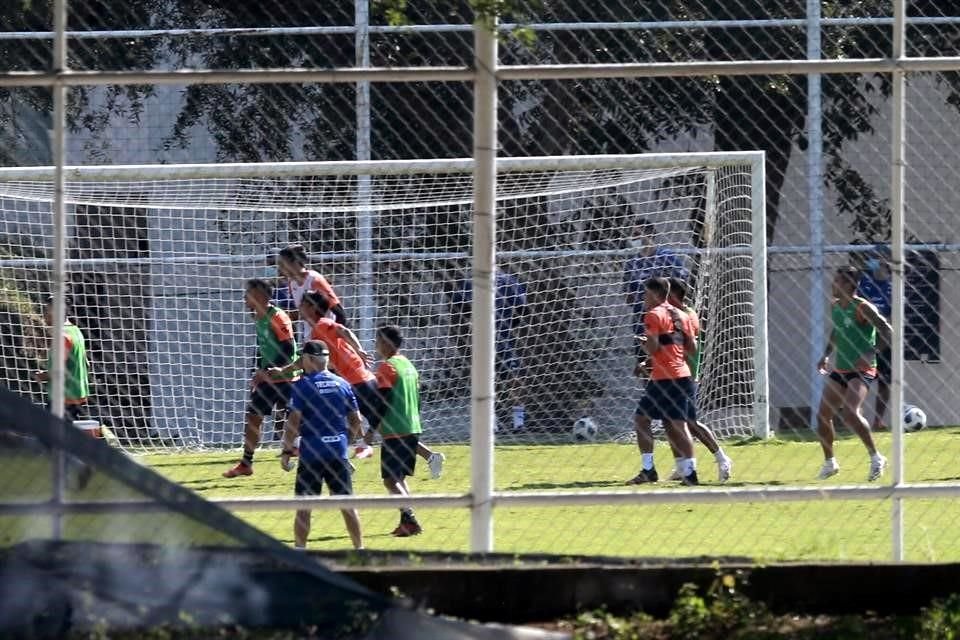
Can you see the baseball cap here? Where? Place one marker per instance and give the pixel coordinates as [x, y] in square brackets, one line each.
[316, 348]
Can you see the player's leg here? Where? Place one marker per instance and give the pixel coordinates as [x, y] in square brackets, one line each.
[853, 399]
[398, 459]
[830, 403]
[882, 401]
[705, 435]
[339, 479]
[301, 528]
[307, 483]
[642, 420]
[678, 409]
[434, 459]
[262, 400]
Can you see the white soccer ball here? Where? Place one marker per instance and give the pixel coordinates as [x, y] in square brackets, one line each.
[585, 430]
[914, 418]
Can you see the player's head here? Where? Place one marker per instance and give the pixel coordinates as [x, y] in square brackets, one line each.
[845, 282]
[291, 260]
[655, 291]
[389, 340]
[257, 294]
[48, 309]
[678, 292]
[316, 354]
[877, 264]
[314, 306]
[642, 238]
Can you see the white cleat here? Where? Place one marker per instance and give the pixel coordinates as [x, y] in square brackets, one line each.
[676, 475]
[827, 470]
[877, 466]
[724, 469]
[435, 462]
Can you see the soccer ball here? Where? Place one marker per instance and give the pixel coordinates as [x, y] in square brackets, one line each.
[914, 418]
[585, 430]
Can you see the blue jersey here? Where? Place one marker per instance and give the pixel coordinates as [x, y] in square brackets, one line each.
[878, 292]
[509, 299]
[283, 299]
[662, 264]
[324, 400]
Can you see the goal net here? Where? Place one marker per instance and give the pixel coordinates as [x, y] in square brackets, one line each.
[158, 257]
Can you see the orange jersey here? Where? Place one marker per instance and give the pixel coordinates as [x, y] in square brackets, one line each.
[667, 325]
[343, 359]
[313, 282]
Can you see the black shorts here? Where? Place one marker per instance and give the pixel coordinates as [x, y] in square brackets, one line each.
[669, 400]
[335, 473]
[368, 399]
[884, 365]
[844, 377]
[398, 457]
[267, 395]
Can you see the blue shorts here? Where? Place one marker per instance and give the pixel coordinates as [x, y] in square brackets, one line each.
[673, 399]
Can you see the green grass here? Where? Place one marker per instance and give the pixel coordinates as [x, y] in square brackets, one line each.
[823, 529]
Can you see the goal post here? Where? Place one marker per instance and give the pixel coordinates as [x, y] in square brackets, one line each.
[158, 255]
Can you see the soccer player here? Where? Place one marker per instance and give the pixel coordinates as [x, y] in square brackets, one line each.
[700, 431]
[322, 407]
[292, 265]
[875, 286]
[399, 422]
[854, 337]
[669, 396]
[276, 348]
[76, 368]
[349, 360]
[651, 262]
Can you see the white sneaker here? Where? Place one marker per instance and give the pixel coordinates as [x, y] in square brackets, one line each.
[828, 469]
[877, 466]
[435, 462]
[724, 469]
[676, 475]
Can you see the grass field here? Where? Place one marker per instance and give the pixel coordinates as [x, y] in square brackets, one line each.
[824, 529]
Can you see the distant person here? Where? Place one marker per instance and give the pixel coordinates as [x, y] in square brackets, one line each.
[651, 261]
[856, 323]
[669, 396]
[276, 348]
[323, 413]
[76, 368]
[510, 305]
[875, 286]
[399, 422]
[292, 266]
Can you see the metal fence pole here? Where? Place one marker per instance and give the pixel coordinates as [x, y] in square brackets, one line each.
[367, 308]
[815, 205]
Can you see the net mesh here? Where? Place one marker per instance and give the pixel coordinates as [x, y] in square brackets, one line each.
[157, 273]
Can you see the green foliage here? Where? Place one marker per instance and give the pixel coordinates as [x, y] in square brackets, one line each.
[941, 620]
[603, 625]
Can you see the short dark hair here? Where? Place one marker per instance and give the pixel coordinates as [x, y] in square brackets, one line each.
[317, 300]
[678, 289]
[295, 253]
[660, 286]
[67, 303]
[260, 286]
[850, 274]
[391, 333]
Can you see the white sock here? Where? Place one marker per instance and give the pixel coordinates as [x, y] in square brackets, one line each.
[875, 457]
[831, 461]
[678, 464]
[689, 465]
[299, 548]
[720, 455]
[646, 460]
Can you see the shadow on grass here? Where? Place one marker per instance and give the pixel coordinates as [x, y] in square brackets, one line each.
[663, 484]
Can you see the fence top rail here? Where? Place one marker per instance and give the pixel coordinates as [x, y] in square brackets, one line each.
[106, 173]
[665, 25]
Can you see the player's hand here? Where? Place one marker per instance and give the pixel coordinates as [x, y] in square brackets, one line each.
[40, 375]
[640, 370]
[823, 365]
[366, 357]
[286, 462]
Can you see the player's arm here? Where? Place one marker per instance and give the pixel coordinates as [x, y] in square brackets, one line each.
[386, 377]
[354, 343]
[872, 315]
[283, 332]
[339, 315]
[43, 375]
[828, 350]
[355, 425]
[291, 429]
[651, 341]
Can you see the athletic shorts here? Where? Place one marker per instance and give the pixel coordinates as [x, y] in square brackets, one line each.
[884, 365]
[368, 399]
[335, 473]
[844, 377]
[672, 399]
[267, 395]
[398, 457]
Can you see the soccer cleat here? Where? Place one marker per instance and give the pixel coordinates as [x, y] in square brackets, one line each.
[828, 469]
[877, 465]
[724, 469]
[645, 476]
[242, 469]
[435, 462]
[407, 529]
[691, 480]
[676, 475]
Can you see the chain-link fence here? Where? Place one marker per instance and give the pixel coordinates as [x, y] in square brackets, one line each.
[159, 262]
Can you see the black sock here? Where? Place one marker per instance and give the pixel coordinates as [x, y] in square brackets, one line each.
[407, 515]
[247, 457]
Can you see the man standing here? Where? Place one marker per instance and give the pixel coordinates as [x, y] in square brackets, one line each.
[276, 348]
[669, 396]
[399, 422]
[876, 288]
[322, 406]
[854, 338]
[76, 375]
